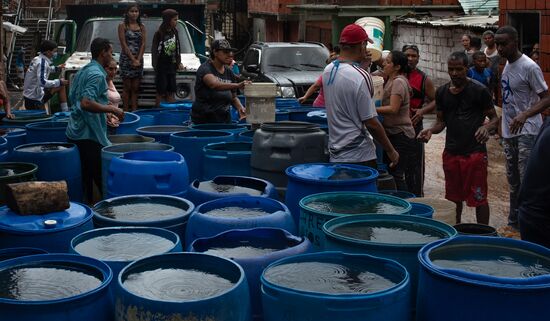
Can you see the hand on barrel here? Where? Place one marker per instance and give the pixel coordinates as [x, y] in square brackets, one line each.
[243, 83]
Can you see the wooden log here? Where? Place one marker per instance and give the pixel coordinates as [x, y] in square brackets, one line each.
[29, 198]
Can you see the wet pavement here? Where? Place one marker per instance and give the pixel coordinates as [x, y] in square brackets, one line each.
[434, 185]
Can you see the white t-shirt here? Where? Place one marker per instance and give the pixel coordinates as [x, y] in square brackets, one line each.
[348, 101]
[521, 83]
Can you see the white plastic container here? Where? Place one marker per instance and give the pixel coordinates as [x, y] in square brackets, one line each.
[378, 83]
[260, 102]
[375, 29]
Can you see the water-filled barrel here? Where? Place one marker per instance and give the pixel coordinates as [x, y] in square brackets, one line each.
[16, 135]
[279, 145]
[60, 287]
[160, 133]
[483, 278]
[282, 115]
[307, 179]
[51, 232]
[119, 246]
[163, 211]
[225, 186]
[246, 136]
[422, 210]
[15, 173]
[444, 210]
[180, 104]
[332, 286]
[129, 125]
[173, 117]
[226, 158]
[395, 237]
[308, 114]
[24, 117]
[232, 128]
[62, 116]
[287, 103]
[129, 138]
[56, 161]
[475, 229]
[253, 250]
[15, 252]
[4, 153]
[117, 150]
[148, 172]
[237, 212]
[46, 131]
[396, 193]
[148, 117]
[190, 144]
[317, 209]
[182, 286]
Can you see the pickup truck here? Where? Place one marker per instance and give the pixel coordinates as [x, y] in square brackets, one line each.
[74, 50]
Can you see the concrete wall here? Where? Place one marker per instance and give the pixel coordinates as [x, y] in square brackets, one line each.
[435, 45]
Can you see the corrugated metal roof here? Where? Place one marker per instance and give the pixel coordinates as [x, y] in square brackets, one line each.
[479, 21]
[479, 6]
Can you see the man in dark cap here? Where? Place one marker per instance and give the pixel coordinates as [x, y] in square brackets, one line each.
[351, 113]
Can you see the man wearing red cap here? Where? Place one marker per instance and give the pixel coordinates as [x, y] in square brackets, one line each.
[351, 113]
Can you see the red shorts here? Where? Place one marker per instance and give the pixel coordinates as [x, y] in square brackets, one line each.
[466, 178]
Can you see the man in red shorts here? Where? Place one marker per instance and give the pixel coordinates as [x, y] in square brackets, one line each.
[462, 105]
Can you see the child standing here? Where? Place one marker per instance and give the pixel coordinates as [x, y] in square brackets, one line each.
[166, 56]
[479, 71]
[37, 88]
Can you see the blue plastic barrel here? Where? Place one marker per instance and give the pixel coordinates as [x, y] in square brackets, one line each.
[483, 278]
[161, 134]
[15, 173]
[129, 125]
[46, 131]
[302, 293]
[56, 161]
[62, 116]
[400, 238]
[24, 117]
[227, 158]
[233, 128]
[51, 232]
[269, 244]
[180, 104]
[148, 117]
[422, 210]
[119, 246]
[4, 154]
[173, 117]
[307, 179]
[91, 302]
[201, 224]
[282, 115]
[214, 289]
[396, 193]
[202, 192]
[190, 144]
[16, 135]
[148, 172]
[168, 212]
[317, 209]
[287, 103]
[308, 114]
[129, 138]
[246, 136]
[117, 150]
[15, 252]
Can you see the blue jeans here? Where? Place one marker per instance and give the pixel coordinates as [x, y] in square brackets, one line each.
[517, 150]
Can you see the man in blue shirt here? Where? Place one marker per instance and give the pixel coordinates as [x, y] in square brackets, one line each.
[87, 126]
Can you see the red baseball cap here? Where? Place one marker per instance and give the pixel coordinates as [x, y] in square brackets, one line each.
[353, 34]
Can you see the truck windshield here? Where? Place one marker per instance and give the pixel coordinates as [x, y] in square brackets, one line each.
[294, 58]
[109, 29]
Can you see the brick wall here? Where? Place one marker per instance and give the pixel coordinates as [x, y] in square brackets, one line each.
[270, 7]
[435, 45]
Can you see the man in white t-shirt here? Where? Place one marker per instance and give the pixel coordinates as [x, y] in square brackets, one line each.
[523, 87]
[351, 113]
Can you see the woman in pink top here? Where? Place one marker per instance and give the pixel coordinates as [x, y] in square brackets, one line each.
[320, 100]
[112, 94]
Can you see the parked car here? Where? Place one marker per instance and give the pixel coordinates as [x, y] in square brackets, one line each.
[293, 66]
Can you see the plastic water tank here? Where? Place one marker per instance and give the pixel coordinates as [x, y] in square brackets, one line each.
[227, 158]
[46, 131]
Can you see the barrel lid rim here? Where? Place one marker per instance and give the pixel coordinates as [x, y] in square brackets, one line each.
[344, 297]
[329, 226]
[21, 148]
[106, 148]
[283, 126]
[150, 129]
[476, 280]
[236, 198]
[102, 267]
[291, 174]
[182, 254]
[184, 133]
[54, 124]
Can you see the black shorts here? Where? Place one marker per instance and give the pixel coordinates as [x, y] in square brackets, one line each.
[38, 104]
[166, 83]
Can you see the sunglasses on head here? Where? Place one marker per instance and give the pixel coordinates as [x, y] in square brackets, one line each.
[413, 47]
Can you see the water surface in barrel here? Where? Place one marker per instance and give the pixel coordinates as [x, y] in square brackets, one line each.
[328, 278]
[124, 246]
[347, 174]
[140, 212]
[237, 212]
[354, 206]
[46, 282]
[43, 148]
[211, 187]
[390, 232]
[246, 249]
[176, 285]
[488, 260]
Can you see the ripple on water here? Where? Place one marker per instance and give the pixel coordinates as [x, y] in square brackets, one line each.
[237, 212]
[211, 187]
[242, 251]
[176, 285]
[140, 212]
[355, 206]
[390, 232]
